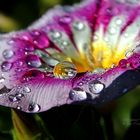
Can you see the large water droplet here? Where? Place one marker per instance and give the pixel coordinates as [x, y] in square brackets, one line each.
[33, 107]
[96, 86]
[33, 60]
[77, 94]
[7, 54]
[78, 25]
[6, 66]
[65, 70]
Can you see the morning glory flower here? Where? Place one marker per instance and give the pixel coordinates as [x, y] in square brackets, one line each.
[89, 52]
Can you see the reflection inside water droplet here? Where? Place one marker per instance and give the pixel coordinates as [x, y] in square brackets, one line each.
[77, 94]
[65, 70]
[33, 107]
[96, 86]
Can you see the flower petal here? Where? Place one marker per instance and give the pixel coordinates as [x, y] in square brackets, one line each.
[93, 34]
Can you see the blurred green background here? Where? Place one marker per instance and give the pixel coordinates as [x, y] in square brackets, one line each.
[117, 120]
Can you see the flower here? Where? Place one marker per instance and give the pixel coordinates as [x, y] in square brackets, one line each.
[86, 53]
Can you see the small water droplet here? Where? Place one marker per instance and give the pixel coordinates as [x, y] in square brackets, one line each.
[13, 98]
[33, 107]
[55, 34]
[65, 70]
[96, 86]
[78, 25]
[119, 21]
[80, 83]
[112, 30]
[2, 79]
[33, 60]
[77, 94]
[26, 89]
[126, 35]
[19, 107]
[65, 19]
[98, 71]
[7, 54]
[6, 66]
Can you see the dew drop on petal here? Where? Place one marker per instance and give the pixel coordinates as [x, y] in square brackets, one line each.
[77, 94]
[119, 21]
[7, 54]
[112, 30]
[2, 79]
[129, 54]
[96, 86]
[65, 70]
[55, 35]
[33, 60]
[16, 97]
[26, 89]
[78, 25]
[6, 66]
[33, 107]
[19, 107]
[65, 19]
[123, 63]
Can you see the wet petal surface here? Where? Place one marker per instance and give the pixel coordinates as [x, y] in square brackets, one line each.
[86, 53]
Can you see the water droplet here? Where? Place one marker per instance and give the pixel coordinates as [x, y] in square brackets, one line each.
[95, 37]
[98, 71]
[96, 86]
[6, 66]
[7, 54]
[65, 70]
[33, 107]
[123, 63]
[80, 83]
[32, 74]
[78, 25]
[77, 94]
[55, 34]
[2, 79]
[118, 21]
[19, 107]
[65, 19]
[126, 35]
[40, 39]
[33, 60]
[26, 89]
[13, 98]
[129, 54]
[112, 30]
